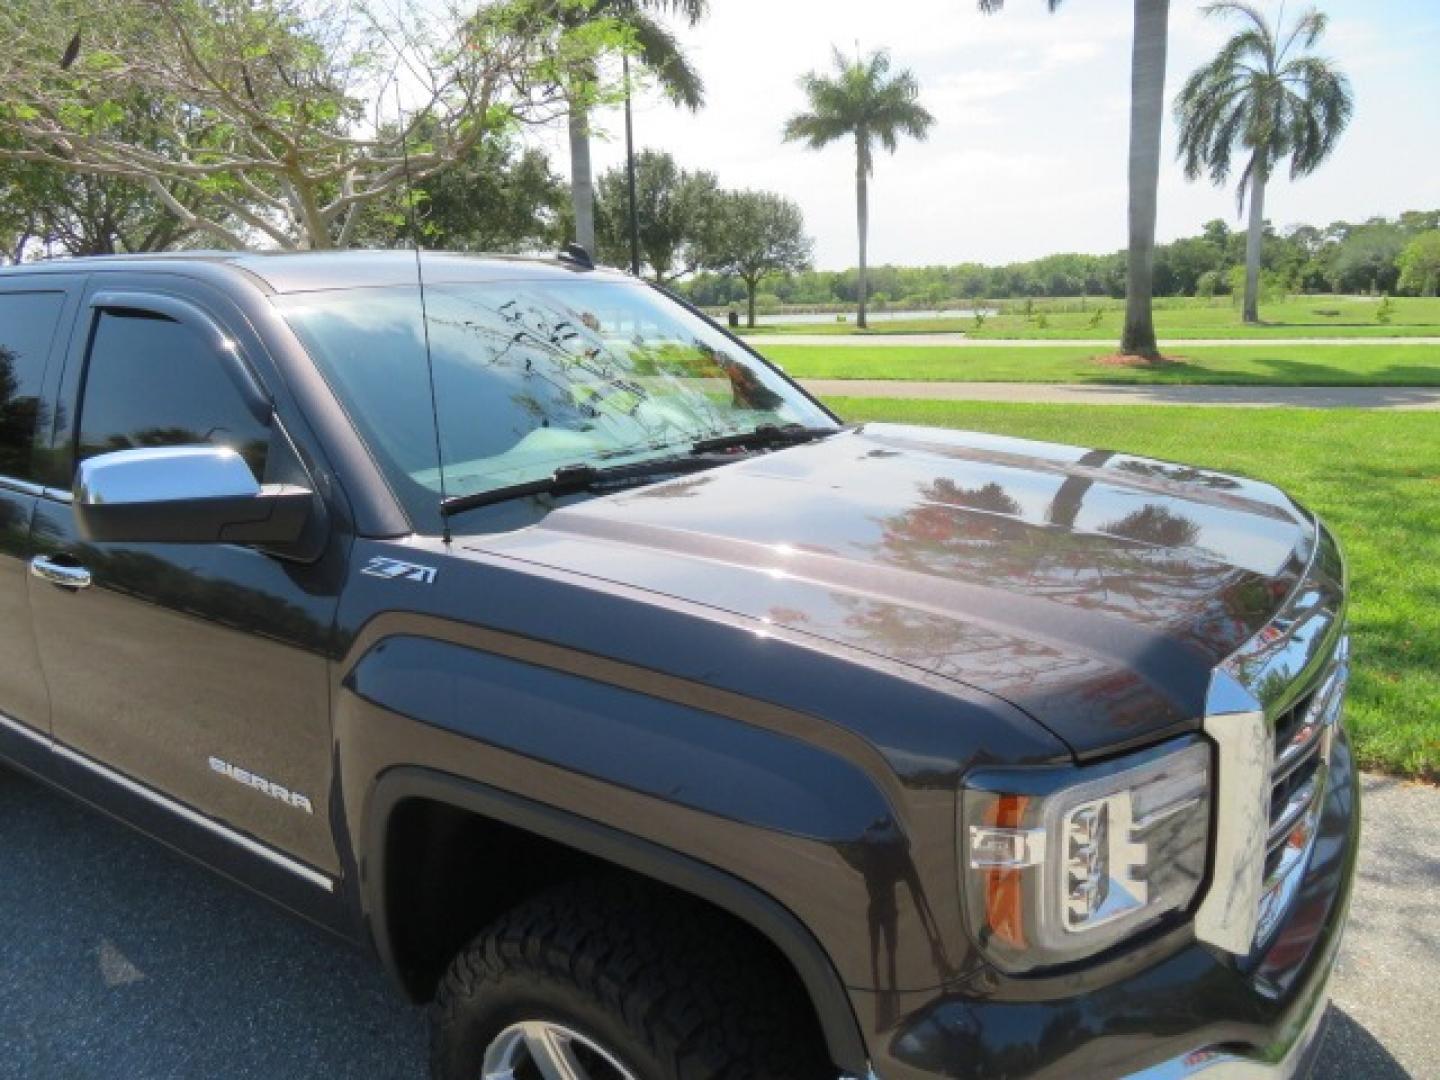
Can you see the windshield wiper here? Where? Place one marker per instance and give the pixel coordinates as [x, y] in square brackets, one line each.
[766, 435]
[571, 479]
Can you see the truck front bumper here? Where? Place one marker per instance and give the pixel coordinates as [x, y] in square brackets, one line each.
[1195, 1011]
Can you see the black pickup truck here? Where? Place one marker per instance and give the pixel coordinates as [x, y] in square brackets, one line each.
[523, 626]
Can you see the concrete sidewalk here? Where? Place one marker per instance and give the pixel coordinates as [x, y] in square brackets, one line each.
[1100, 345]
[1399, 398]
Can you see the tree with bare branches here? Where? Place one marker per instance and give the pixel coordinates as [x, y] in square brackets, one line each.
[278, 117]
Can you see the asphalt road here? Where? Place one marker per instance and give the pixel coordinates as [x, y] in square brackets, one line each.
[121, 961]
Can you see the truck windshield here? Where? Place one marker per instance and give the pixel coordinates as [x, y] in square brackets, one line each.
[531, 376]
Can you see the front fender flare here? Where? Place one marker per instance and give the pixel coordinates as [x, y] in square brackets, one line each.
[762, 912]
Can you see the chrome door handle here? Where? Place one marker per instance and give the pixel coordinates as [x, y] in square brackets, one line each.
[68, 577]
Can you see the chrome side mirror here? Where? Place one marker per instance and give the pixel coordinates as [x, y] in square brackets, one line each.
[185, 495]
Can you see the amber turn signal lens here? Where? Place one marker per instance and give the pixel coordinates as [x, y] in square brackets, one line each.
[1004, 900]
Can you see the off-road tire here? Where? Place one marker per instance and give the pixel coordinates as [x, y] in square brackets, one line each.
[664, 984]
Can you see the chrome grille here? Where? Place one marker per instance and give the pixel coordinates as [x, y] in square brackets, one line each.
[1273, 761]
[1301, 757]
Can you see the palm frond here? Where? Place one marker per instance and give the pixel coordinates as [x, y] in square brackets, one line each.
[692, 11]
[1251, 98]
[660, 51]
[1308, 29]
[815, 131]
[1258, 22]
[863, 100]
[1323, 104]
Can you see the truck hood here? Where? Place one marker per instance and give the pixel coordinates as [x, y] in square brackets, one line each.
[1094, 590]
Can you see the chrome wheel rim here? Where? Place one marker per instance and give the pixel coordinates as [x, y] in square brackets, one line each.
[541, 1050]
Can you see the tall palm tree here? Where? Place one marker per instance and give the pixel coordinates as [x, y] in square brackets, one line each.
[1267, 96]
[865, 102]
[658, 52]
[1148, 49]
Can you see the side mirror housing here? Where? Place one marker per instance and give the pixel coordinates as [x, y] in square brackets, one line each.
[185, 495]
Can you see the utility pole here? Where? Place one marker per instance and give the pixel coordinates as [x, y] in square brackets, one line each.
[630, 172]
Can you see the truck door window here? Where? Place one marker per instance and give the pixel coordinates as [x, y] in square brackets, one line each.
[152, 381]
[27, 325]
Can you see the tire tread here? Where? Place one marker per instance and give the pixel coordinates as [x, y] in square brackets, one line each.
[692, 987]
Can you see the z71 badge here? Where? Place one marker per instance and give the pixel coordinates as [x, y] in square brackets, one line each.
[395, 570]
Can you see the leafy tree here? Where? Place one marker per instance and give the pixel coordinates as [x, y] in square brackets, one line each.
[498, 198]
[1420, 264]
[677, 211]
[654, 47]
[758, 233]
[19, 216]
[1149, 46]
[1368, 258]
[51, 208]
[1304, 258]
[1419, 221]
[1266, 95]
[86, 214]
[1180, 265]
[269, 110]
[864, 102]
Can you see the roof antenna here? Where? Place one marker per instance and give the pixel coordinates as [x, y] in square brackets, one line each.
[424, 318]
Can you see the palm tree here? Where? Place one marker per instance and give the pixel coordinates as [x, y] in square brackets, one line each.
[1148, 50]
[1266, 95]
[659, 52]
[865, 102]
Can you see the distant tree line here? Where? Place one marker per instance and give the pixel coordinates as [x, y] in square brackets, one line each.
[1381, 255]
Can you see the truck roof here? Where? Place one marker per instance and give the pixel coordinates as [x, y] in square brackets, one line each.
[286, 272]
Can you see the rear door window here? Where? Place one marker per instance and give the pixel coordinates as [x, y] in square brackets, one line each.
[27, 328]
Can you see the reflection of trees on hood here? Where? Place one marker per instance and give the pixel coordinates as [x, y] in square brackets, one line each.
[942, 536]
[676, 489]
[989, 497]
[1065, 507]
[1156, 525]
[1178, 474]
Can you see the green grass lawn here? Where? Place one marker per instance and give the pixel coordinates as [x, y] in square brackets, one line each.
[1175, 317]
[1373, 476]
[1285, 365]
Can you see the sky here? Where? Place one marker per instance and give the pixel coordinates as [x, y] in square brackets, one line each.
[1028, 153]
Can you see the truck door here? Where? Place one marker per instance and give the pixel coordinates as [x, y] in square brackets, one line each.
[31, 314]
[197, 672]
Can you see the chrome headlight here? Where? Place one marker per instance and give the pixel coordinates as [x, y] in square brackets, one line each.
[1060, 864]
